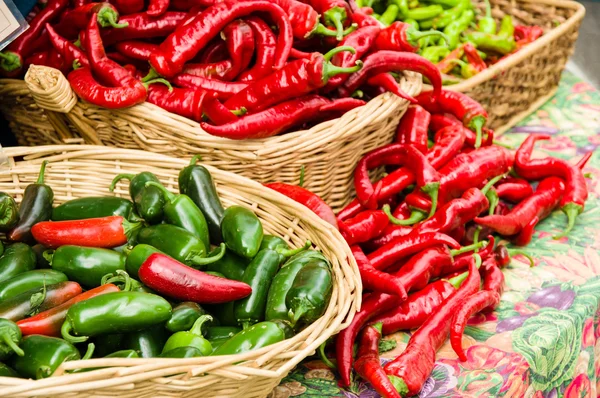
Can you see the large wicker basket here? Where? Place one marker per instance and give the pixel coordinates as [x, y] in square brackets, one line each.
[76, 171]
[328, 151]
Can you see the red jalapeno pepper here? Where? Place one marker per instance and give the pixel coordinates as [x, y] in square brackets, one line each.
[304, 19]
[216, 112]
[127, 7]
[412, 129]
[157, 7]
[223, 90]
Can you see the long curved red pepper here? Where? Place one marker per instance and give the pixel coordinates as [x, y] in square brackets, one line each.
[339, 106]
[576, 192]
[185, 102]
[307, 198]
[180, 282]
[76, 19]
[375, 280]
[216, 51]
[266, 47]
[136, 49]
[143, 26]
[439, 121]
[216, 112]
[68, 50]
[187, 40]
[392, 61]
[413, 127]
[366, 226]
[387, 82]
[403, 37]
[223, 90]
[367, 363]
[157, 7]
[49, 322]
[514, 189]
[87, 87]
[409, 371]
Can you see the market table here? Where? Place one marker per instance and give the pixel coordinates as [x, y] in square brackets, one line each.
[544, 338]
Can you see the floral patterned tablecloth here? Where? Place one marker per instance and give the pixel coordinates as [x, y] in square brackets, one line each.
[544, 339]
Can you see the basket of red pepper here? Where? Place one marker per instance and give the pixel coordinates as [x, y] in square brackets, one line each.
[102, 291]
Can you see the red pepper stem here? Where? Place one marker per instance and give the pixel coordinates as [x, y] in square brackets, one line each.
[108, 17]
[89, 352]
[432, 189]
[41, 176]
[169, 196]
[197, 327]
[491, 183]
[66, 330]
[118, 178]
[515, 252]
[477, 124]
[121, 277]
[199, 261]
[10, 61]
[415, 216]
[572, 210]
[471, 247]
[9, 342]
[399, 385]
[292, 252]
[459, 279]
[324, 358]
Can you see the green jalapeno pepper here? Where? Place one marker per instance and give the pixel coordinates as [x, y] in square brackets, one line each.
[86, 265]
[29, 280]
[256, 336]
[119, 312]
[196, 182]
[285, 326]
[43, 355]
[147, 343]
[178, 243]
[123, 354]
[507, 27]
[137, 256]
[184, 315]
[224, 313]
[191, 338]
[231, 265]
[182, 352]
[9, 212]
[273, 242]
[216, 343]
[10, 337]
[1, 248]
[485, 41]
[107, 344]
[242, 231]
[309, 295]
[17, 258]
[148, 201]
[282, 283]
[6, 371]
[36, 206]
[181, 211]
[125, 282]
[221, 332]
[93, 207]
[455, 28]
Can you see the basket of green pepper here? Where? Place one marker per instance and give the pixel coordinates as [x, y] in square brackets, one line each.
[185, 280]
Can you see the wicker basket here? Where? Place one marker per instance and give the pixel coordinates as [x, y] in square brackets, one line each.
[76, 171]
[328, 151]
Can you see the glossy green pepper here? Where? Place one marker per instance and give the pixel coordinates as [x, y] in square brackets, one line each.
[285, 326]
[184, 316]
[93, 207]
[181, 211]
[507, 27]
[487, 24]
[29, 280]
[118, 312]
[273, 242]
[147, 343]
[137, 256]
[196, 182]
[309, 295]
[221, 332]
[485, 41]
[178, 243]
[149, 201]
[191, 338]
[423, 13]
[216, 343]
[9, 212]
[224, 313]
[125, 282]
[231, 265]
[435, 54]
[447, 16]
[10, 337]
[256, 336]
[6, 371]
[123, 354]
[43, 355]
[107, 344]
[455, 28]
[1, 248]
[86, 265]
[242, 231]
[182, 352]
[215, 273]
[389, 15]
[17, 258]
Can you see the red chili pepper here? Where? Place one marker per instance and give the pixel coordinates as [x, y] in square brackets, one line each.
[157, 7]
[304, 19]
[76, 19]
[70, 53]
[214, 52]
[50, 58]
[180, 282]
[224, 90]
[127, 7]
[187, 40]
[11, 60]
[339, 106]
[413, 128]
[367, 364]
[424, 343]
[401, 36]
[136, 49]
[514, 189]
[387, 82]
[363, 17]
[186, 102]
[439, 121]
[297, 54]
[469, 111]
[186, 5]
[143, 26]
[266, 46]
[367, 225]
[335, 14]
[392, 61]
[474, 58]
[584, 159]
[49, 322]
[575, 194]
[216, 112]
[375, 280]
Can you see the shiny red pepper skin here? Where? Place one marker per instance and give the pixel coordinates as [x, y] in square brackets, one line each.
[50, 58]
[68, 50]
[187, 40]
[83, 83]
[223, 90]
[76, 19]
[266, 47]
[413, 126]
[395, 38]
[375, 280]
[366, 226]
[367, 363]
[514, 189]
[474, 58]
[127, 7]
[303, 17]
[306, 198]
[143, 26]
[439, 121]
[387, 83]
[180, 282]
[392, 61]
[136, 49]
[157, 7]
[214, 52]
[185, 102]
[216, 112]
[339, 106]
[49, 322]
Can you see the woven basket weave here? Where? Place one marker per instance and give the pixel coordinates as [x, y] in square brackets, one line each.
[76, 171]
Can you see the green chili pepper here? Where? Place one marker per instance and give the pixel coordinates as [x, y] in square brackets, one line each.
[216, 343]
[487, 24]
[147, 343]
[242, 231]
[149, 201]
[107, 344]
[119, 312]
[285, 326]
[215, 273]
[447, 16]
[6, 371]
[37, 300]
[221, 332]
[43, 355]
[412, 23]
[93, 207]
[125, 282]
[137, 256]
[196, 182]
[445, 3]
[86, 265]
[17, 258]
[276, 307]
[273, 242]
[423, 13]
[10, 337]
[29, 280]
[507, 28]
[178, 243]
[455, 28]
[309, 295]
[435, 54]
[231, 265]
[191, 338]
[224, 313]
[181, 211]
[256, 336]
[495, 43]
[123, 354]
[1, 248]
[466, 70]
[389, 15]
[402, 7]
[184, 316]
[9, 212]
[182, 352]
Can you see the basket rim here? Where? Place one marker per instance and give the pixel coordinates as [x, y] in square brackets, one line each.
[338, 319]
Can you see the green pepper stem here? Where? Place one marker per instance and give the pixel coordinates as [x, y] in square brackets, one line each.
[399, 385]
[13, 346]
[413, 35]
[515, 252]
[378, 326]
[330, 70]
[476, 236]
[195, 159]
[77, 43]
[108, 17]
[10, 61]
[458, 280]
[488, 9]
[324, 358]
[292, 252]
[121, 277]
[432, 189]
[48, 255]
[322, 30]
[246, 325]
[42, 372]
[158, 80]
[415, 216]
[200, 261]
[76, 64]
[66, 330]
[477, 123]
[170, 196]
[294, 317]
[471, 247]
[491, 183]
[302, 171]
[152, 74]
[239, 112]
[503, 145]
[42, 174]
[329, 55]
[131, 228]
[89, 352]
[197, 327]
[336, 16]
[572, 210]
[118, 178]
[493, 200]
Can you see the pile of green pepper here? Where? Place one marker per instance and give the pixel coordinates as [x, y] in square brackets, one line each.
[67, 301]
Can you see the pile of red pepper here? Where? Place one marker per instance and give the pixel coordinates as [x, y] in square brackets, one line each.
[423, 265]
[245, 69]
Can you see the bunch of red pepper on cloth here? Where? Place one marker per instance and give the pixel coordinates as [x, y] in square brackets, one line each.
[245, 69]
[415, 233]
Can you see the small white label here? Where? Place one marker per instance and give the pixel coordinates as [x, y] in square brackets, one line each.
[12, 23]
